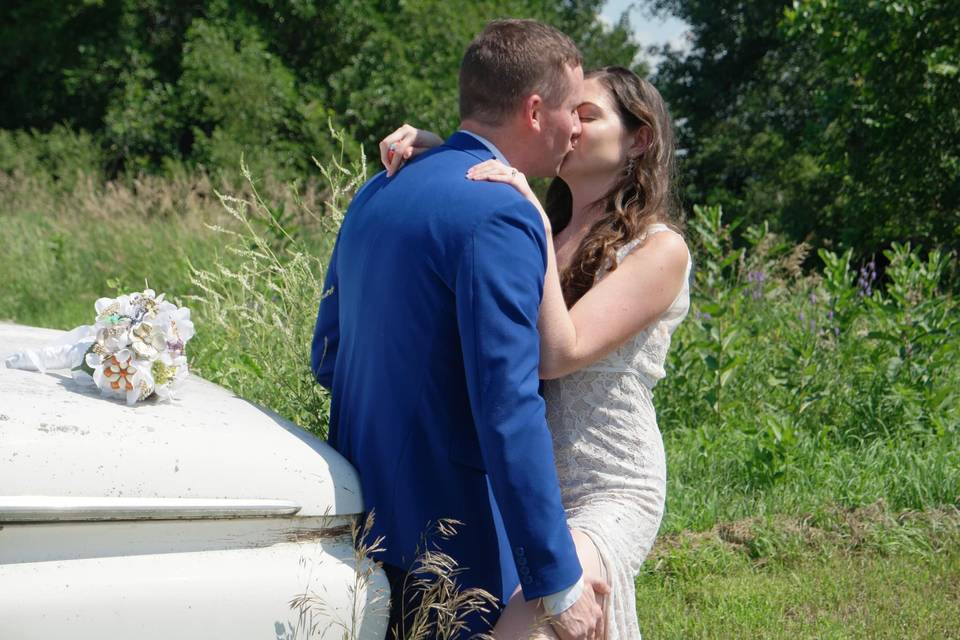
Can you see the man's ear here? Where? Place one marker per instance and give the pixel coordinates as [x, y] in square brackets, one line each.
[533, 113]
[641, 141]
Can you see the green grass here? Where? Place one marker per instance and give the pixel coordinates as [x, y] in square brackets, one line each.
[908, 473]
[862, 574]
[67, 242]
[62, 243]
[865, 596]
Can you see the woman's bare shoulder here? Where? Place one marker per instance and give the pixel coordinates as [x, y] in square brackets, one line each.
[666, 248]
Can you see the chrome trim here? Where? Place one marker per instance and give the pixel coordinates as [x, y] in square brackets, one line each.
[72, 509]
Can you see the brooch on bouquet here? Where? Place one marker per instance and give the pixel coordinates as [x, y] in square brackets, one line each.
[136, 348]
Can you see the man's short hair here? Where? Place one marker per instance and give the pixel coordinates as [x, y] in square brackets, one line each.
[510, 60]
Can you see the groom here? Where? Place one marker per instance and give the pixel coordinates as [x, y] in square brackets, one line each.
[427, 338]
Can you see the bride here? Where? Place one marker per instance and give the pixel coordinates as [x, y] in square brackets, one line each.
[616, 288]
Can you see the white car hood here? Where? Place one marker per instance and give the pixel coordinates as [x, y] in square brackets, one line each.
[59, 438]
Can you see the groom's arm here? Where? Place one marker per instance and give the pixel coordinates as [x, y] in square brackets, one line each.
[498, 289]
[326, 333]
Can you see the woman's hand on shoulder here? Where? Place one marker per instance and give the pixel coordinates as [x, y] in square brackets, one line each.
[405, 143]
[496, 171]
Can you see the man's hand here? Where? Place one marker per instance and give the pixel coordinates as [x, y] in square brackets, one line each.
[584, 619]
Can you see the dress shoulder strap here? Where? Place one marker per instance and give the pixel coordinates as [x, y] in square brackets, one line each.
[656, 227]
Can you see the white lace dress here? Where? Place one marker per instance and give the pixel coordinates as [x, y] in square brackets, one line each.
[609, 452]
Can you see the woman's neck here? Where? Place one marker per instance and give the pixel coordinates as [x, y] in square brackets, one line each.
[584, 208]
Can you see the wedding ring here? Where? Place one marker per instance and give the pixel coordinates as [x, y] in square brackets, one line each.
[513, 173]
[392, 146]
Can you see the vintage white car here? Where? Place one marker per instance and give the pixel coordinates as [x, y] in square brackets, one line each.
[208, 517]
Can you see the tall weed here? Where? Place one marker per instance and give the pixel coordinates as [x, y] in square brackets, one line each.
[259, 308]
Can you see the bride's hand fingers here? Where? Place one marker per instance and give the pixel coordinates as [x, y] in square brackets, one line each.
[501, 174]
[400, 153]
[486, 174]
[487, 165]
[397, 147]
[385, 151]
[493, 177]
[496, 176]
[397, 156]
[484, 170]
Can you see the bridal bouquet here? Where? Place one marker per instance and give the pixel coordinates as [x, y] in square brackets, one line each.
[139, 346]
[134, 350]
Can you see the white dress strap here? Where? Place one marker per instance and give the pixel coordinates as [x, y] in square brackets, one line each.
[656, 227]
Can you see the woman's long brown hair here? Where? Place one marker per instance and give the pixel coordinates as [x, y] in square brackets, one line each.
[643, 194]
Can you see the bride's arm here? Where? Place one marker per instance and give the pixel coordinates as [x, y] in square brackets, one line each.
[403, 144]
[618, 307]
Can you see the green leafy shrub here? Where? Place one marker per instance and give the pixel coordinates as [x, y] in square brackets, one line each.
[58, 157]
[783, 385]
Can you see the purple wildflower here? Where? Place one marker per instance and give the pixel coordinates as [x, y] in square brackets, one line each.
[868, 275]
[756, 278]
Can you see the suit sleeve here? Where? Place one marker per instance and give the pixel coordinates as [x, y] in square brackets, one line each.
[326, 333]
[499, 285]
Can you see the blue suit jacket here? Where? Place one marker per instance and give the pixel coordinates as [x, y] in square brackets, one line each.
[428, 342]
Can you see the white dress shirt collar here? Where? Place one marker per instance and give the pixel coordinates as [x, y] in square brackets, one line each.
[489, 145]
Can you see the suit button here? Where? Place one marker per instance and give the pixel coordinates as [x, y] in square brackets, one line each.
[522, 561]
[520, 551]
[526, 579]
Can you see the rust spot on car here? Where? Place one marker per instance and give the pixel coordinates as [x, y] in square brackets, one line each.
[325, 533]
[62, 428]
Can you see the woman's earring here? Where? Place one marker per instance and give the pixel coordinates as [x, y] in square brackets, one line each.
[631, 165]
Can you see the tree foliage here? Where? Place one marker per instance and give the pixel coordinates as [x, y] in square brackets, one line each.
[885, 92]
[837, 121]
[206, 81]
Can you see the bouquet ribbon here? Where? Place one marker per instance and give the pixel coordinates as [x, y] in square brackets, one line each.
[66, 352]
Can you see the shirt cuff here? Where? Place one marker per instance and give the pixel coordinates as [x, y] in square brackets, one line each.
[556, 603]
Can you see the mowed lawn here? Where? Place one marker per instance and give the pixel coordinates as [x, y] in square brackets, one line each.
[842, 596]
[865, 575]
